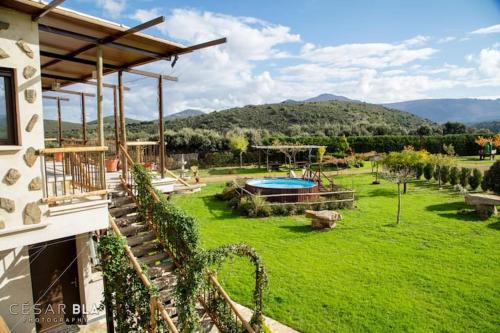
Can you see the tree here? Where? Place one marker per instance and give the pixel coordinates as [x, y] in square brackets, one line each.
[464, 177]
[454, 128]
[428, 171]
[424, 130]
[454, 175]
[401, 167]
[475, 179]
[239, 143]
[449, 149]
[442, 164]
[343, 144]
[491, 179]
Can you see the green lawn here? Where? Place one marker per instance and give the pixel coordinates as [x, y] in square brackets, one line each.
[474, 161]
[437, 271]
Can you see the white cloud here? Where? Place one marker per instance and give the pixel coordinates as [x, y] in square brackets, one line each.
[446, 39]
[489, 62]
[487, 30]
[370, 55]
[112, 8]
[257, 65]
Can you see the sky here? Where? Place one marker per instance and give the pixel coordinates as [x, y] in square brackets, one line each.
[375, 51]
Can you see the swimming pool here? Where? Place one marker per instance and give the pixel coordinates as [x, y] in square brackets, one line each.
[283, 189]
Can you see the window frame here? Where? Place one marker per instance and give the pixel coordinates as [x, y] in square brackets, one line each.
[12, 108]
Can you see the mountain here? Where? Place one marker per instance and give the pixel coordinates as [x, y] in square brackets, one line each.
[184, 114]
[308, 118]
[326, 98]
[51, 127]
[465, 110]
[110, 120]
[320, 98]
[493, 126]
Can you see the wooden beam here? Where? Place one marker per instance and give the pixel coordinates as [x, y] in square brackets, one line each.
[205, 45]
[84, 120]
[45, 10]
[108, 41]
[78, 80]
[56, 98]
[161, 127]
[123, 127]
[59, 122]
[115, 115]
[73, 92]
[64, 57]
[150, 74]
[100, 115]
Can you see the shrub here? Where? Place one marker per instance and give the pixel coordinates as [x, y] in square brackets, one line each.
[464, 177]
[436, 174]
[454, 175]
[475, 179]
[491, 179]
[444, 174]
[419, 170]
[428, 171]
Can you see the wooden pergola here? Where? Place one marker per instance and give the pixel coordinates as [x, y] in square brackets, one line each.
[290, 151]
[77, 48]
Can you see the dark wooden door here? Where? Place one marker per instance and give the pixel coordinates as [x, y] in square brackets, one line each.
[54, 279]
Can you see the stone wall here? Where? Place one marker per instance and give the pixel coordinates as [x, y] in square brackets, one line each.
[20, 170]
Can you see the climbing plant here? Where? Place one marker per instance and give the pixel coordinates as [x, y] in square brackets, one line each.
[179, 234]
[124, 291]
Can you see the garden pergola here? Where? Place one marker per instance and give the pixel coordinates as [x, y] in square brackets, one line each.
[290, 151]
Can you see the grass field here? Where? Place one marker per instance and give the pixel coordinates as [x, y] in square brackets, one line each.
[436, 271]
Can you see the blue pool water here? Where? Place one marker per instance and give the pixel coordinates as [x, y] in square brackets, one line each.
[281, 183]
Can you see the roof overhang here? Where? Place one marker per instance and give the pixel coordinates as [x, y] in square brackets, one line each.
[63, 32]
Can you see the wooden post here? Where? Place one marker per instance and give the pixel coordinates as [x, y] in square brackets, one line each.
[115, 113]
[152, 311]
[161, 125]
[84, 120]
[259, 158]
[59, 122]
[267, 160]
[100, 116]
[123, 128]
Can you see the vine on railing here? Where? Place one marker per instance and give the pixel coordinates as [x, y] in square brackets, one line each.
[178, 232]
[128, 296]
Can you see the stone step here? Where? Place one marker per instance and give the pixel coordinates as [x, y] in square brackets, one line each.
[166, 281]
[163, 269]
[119, 201]
[153, 259]
[146, 248]
[123, 210]
[133, 229]
[127, 220]
[140, 239]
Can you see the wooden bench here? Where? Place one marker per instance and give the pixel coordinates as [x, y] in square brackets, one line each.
[485, 204]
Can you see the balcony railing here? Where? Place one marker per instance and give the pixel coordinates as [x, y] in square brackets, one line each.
[73, 172]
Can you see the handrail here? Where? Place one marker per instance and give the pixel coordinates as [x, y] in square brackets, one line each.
[212, 278]
[143, 277]
[142, 143]
[49, 151]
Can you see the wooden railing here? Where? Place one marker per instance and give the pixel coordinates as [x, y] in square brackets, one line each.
[77, 142]
[73, 172]
[215, 290]
[154, 305]
[146, 153]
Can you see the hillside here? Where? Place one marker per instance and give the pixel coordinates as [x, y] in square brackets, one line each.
[465, 110]
[110, 120]
[493, 126]
[184, 114]
[308, 118]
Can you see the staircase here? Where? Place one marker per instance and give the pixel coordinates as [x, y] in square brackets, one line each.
[149, 252]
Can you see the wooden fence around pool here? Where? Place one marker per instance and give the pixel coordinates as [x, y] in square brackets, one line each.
[308, 198]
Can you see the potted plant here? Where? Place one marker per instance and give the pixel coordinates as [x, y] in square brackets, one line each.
[111, 164]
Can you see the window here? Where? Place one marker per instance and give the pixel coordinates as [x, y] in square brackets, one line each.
[8, 107]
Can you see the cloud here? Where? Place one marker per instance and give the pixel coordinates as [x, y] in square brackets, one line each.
[112, 8]
[370, 55]
[489, 62]
[487, 30]
[446, 39]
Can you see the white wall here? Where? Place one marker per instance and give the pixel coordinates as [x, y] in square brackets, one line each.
[15, 289]
[21, 27]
